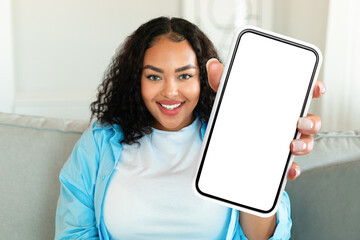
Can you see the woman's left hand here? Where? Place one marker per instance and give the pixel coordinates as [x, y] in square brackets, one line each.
[306, 125]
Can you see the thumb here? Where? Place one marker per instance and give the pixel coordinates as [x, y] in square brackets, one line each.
[214, 70]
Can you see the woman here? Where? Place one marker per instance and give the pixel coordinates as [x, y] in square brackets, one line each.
[129, 176]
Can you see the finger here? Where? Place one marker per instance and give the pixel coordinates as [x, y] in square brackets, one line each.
[214, 70]
[319, 89]
[294, 171]
[309, 125]
[302, 146]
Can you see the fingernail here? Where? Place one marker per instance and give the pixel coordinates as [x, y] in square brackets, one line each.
[294, 173]
[322, 90]
[297, 170]
[208, 62]
[305, 123]
[298, 146]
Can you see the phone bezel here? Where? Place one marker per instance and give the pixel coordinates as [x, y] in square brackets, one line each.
[217, 105]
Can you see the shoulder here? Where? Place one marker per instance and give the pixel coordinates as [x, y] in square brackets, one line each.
[90, 147]
[100, 134]
[103, 133]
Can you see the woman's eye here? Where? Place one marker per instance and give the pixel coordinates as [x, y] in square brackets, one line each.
[153, 77]
[185, 76]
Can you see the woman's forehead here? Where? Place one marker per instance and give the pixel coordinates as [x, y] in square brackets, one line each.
[167, 52]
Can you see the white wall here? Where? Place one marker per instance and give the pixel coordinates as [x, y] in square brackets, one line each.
[305, 20]
[340, 107]
[54, 53]
[6, 58]
[62, 48]
[219, 19]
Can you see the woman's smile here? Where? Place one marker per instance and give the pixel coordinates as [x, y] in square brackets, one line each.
[170, 107]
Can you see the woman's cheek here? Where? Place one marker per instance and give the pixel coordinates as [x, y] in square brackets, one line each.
[193, 89]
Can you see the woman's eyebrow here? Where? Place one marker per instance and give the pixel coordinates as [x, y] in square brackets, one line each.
[153, 68]
[185, 68]
[156, 69]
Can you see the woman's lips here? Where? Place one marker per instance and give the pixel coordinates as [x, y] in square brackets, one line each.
[170, 107]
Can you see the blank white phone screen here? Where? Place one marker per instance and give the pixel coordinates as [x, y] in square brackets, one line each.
[265, 91]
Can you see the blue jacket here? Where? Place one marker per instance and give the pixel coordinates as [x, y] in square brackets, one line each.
[84, 179]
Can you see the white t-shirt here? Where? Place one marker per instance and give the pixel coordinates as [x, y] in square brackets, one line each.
[150, 193]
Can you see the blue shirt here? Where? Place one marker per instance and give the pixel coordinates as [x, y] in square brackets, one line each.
[84, 181]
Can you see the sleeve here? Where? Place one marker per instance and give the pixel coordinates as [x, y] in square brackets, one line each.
[75, 215]
[284, 223]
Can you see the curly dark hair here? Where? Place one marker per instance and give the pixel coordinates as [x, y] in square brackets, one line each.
[119, 99]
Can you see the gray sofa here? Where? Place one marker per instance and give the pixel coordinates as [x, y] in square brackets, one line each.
[325, 199]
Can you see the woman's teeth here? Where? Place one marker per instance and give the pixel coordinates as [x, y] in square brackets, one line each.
[170, 107]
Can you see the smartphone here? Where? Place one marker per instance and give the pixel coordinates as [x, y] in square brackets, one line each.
[266, 85]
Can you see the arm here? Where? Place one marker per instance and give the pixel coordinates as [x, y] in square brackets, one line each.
[75, 216]
[255, 227]
[274, 227]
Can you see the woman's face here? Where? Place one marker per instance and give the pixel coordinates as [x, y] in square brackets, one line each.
[170, 83]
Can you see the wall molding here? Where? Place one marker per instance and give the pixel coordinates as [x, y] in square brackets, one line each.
[72, 105]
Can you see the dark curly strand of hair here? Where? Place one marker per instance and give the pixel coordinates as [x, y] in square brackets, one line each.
[119, 99]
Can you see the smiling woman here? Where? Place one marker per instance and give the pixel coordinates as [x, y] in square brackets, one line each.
[170, 90]
[156, 93]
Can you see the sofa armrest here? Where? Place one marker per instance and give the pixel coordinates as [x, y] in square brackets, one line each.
[33, 151]
[325, 198]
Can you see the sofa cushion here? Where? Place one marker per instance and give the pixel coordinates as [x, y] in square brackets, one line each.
[33, 151]
[325, 198]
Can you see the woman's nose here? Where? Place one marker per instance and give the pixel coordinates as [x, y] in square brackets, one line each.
[170, 89]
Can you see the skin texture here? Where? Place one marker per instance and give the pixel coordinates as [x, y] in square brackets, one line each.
[263, 228]
[170, 73]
